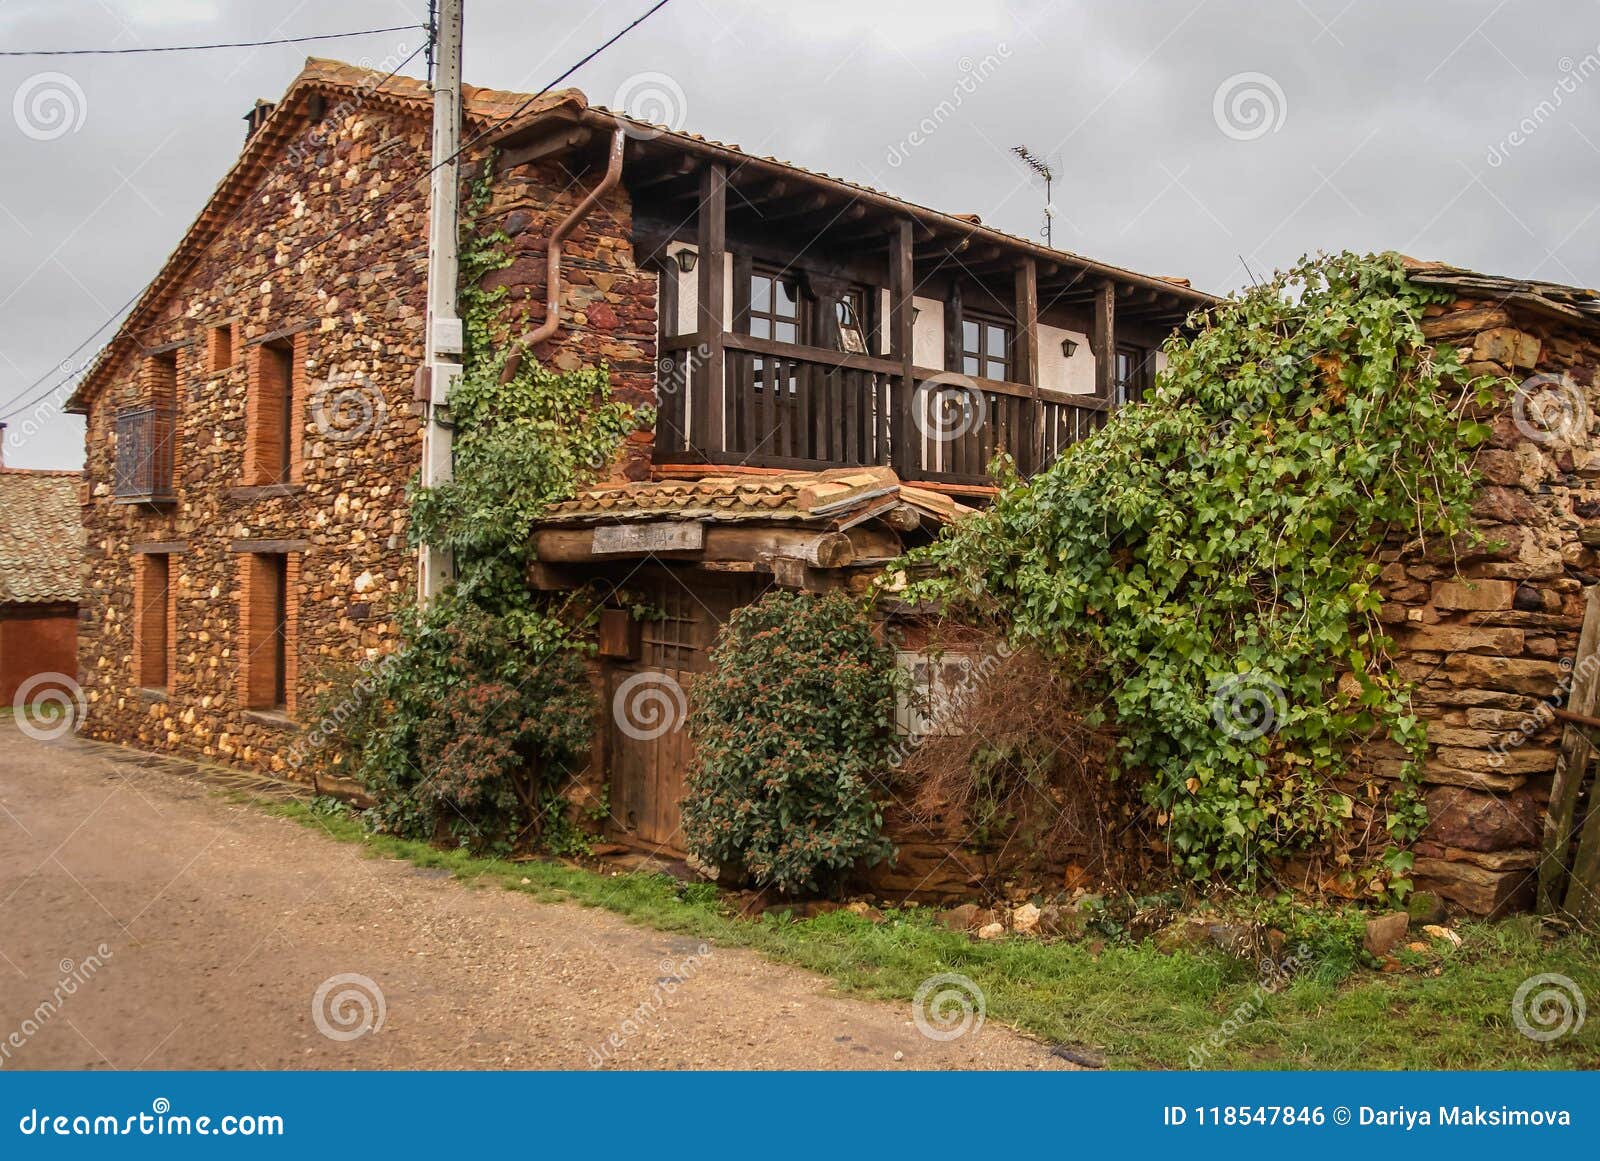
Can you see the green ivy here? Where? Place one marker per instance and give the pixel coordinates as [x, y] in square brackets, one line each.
[484, 712]
[790, 727]
[1209, 559]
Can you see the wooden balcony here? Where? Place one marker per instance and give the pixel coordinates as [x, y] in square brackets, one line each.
[781, 405]
[144, 454]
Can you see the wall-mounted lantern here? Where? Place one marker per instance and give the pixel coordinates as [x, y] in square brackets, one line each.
[687, 259]
[1069, 347]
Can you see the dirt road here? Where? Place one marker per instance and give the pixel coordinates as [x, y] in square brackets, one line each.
[147, 921]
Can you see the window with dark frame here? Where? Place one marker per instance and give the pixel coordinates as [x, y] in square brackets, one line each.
[1134, 374]
[280, 630]
[775, 307]
[986, 347]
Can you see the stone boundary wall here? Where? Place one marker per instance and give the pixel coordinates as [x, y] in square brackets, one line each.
[1490, 635]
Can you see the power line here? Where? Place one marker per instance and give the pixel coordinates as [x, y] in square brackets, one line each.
[16, 408]
[206, 47]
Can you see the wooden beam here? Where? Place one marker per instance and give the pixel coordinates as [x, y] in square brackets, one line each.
[1572, 760]
[711, 382]
[558, 141]
[801, 209]
[1028, 443]
[683, 168]
[1103, 340]
[901, 248]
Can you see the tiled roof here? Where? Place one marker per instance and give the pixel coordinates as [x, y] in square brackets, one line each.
[41, 537]
[836, 498]
[1573, 303]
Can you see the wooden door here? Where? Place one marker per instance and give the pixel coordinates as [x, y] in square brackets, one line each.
[649, 749]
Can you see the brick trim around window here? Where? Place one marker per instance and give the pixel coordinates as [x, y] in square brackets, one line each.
[266, 460]
[259, 617]
[155, 618]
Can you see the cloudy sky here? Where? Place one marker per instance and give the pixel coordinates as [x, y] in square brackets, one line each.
[1205, 138]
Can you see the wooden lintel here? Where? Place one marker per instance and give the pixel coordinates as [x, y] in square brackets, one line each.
[268, 546]
[556, 141]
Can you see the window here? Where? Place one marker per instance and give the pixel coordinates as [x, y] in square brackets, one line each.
[1134, 374]
[219, 348]
[986, 347]
[931, 703]
[152, 623]
[267, 617]
[272, 437]
[145, 434]
[775, 307]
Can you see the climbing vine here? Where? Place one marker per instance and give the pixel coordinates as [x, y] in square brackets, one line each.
[1209, 560]
[477, 721]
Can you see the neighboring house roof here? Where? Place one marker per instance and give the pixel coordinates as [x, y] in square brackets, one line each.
[41, 537]
[1572, 304]
[838, 498]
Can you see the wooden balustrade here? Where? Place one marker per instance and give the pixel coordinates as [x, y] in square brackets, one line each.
[782, 405]
[144, 454]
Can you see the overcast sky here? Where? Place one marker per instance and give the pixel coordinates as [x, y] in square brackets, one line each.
[1189, 137]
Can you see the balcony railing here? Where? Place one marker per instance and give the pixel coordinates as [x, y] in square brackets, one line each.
[144, 454]
[786, 406]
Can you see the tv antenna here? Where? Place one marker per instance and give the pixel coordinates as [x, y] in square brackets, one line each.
[1043, 170]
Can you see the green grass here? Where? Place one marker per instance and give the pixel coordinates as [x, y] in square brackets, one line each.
[1140, 1008]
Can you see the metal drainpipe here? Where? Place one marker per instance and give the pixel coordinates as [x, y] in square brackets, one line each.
[552, 308]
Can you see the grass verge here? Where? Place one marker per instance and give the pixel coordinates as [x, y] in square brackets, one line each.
[1139, 1007]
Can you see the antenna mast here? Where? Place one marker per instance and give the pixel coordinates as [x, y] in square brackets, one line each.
[1044, 171]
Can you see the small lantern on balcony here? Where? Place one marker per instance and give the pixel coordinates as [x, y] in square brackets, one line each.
[1069, 347]
[687, 259]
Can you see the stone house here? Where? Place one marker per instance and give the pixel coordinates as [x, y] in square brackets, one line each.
[251, 427]
[41, 566]
[831, 368]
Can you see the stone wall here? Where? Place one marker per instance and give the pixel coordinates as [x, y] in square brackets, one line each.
[349, 316]
[1491, 634]
[353, 311]
[608, 304]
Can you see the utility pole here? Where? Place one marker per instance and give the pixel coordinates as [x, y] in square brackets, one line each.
[442, 342]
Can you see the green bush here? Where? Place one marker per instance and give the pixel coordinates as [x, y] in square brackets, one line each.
[791, 728]
[1211, 557]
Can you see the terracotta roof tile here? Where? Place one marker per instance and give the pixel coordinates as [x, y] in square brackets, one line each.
[41, 537]
[828, 497]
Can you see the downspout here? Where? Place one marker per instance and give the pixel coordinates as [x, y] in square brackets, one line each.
[552, 305]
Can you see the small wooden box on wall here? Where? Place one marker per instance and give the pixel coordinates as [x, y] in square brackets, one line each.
[619, 635]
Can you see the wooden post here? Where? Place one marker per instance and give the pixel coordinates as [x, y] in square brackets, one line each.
[1103, 341]
[1572, 760]
[904, 438]
[1029, 448]
[711, 379]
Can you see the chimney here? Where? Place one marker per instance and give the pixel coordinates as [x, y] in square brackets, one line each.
[257, 116]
